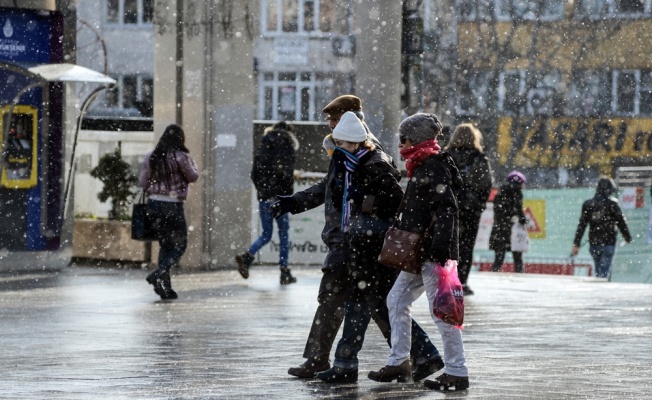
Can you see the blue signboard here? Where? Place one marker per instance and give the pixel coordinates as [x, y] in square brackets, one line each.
[24, 36]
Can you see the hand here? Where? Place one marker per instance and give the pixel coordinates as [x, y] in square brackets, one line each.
[440, 257]
[574, 251]
[282, 206]
[522, 221]
[355, 194]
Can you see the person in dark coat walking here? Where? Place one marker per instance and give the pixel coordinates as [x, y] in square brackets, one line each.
[508, 210]
[367, 193]
[465, 146]
[603, 216]
[430, 205]
[334, 282]
[273, 176]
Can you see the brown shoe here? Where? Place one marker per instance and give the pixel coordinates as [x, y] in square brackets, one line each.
[447, 383]
[309, 369]
[401, 373]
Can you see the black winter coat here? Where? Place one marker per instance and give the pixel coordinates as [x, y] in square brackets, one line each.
[273, 169]
[508, 208]
[430, 193]
[603, 215]
[477, 176]
[372, 211]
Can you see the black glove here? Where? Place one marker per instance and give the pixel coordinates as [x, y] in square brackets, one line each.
[522, 221]
[440, 256]
[355, 194]
[282, 206]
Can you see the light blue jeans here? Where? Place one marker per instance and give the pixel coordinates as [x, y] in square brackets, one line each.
[602, 257]
[267, 221]
[406, 290]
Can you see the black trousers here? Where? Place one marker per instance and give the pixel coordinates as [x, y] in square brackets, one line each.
[469, 223]
[333, 291]
[500, 257]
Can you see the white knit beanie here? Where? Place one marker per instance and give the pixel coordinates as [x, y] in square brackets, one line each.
[350, 129]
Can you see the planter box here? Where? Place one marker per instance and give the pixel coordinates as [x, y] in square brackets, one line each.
[108, 240]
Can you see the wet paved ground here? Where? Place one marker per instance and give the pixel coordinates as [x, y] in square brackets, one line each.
[91, 333]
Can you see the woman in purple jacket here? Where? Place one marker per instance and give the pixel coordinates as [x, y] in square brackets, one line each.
[165, 176]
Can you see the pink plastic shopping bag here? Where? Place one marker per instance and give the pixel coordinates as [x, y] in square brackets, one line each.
[449, 299]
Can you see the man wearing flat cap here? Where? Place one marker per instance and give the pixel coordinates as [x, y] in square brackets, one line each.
[332, 289]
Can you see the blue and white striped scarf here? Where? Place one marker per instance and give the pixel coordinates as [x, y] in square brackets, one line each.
[350, 164]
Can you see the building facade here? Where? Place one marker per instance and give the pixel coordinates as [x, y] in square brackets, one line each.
[562, 89]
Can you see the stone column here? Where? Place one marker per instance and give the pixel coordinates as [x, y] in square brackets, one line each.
[378, 66]
[216, 111]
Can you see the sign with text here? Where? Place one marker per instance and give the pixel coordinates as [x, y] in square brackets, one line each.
[573, 142]
[291, 51]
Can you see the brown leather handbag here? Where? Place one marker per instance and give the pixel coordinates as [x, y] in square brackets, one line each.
[403, 250]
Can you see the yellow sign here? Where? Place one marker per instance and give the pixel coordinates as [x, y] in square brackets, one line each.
[573, 142]
[535, 212]
[19, 149]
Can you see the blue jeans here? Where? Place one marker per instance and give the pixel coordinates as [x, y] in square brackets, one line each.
[172, 232]
[364, 302]
[602, 257]
[267, 221]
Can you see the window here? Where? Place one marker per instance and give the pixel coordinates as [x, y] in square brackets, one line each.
[293, 96]
[590, 93]
[614, 8]
[645, 93]
[630, 6]
[511, 90]
[632, 92]
[471, 10]
[130, 12]
[474, 93]
[134, 92]
[297, 16]
[529, 10]
[516, 98]
[624, 92]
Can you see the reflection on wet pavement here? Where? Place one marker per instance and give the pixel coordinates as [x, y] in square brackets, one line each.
[102, 333]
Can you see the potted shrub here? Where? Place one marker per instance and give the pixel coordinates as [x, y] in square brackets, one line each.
[110, 239]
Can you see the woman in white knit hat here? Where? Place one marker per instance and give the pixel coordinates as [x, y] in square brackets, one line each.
[366, 190]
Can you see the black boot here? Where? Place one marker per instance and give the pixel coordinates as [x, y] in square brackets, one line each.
[427, 368]
[339, 375]
[162, 284]
[168, 293]
[154, 279]
[401, 373]
[309, 369]
[286, 276]
[244, 262]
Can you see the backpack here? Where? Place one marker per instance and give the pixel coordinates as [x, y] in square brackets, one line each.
[477, 180]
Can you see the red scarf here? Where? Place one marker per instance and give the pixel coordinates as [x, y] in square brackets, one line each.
[416, 154]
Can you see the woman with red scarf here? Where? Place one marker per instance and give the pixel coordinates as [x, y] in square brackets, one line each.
[429, 202]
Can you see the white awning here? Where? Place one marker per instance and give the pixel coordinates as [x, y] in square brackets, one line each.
[70, 73]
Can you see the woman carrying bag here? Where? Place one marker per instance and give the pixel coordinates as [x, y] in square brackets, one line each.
[165, 175]
[508, 210]
[430, 205]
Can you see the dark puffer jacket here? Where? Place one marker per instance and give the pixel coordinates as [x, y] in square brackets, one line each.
[603, 215]
[273, 169]
[430, 193]
[508, 208]
[477, 176]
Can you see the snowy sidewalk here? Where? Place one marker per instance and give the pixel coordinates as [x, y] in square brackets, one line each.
[90, 333]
